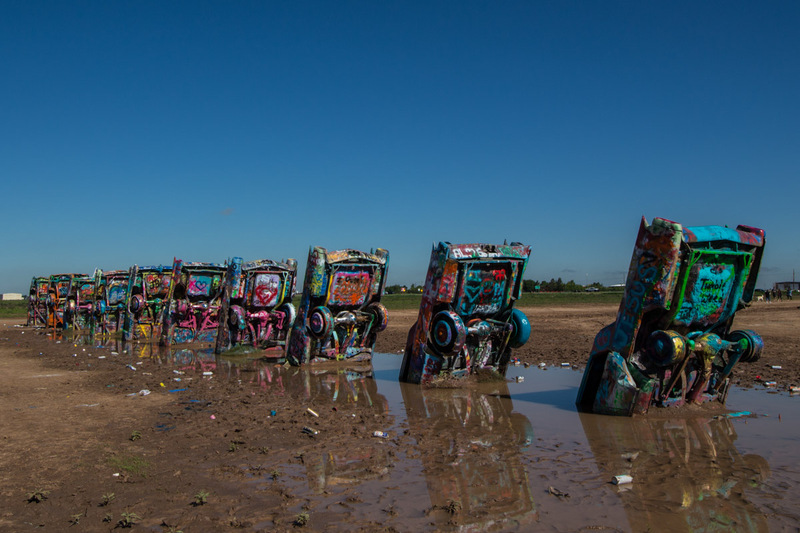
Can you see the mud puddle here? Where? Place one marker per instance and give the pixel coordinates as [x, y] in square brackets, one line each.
[514, 454]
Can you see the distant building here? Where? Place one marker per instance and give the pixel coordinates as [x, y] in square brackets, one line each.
[786, 285]
[10, 296]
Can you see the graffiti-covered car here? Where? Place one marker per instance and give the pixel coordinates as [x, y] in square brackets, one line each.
[340, 313]
[79, 311]
[467, 319]
[257, 305]
[194, 299]
[112, 295]
[58, 299]
[672, 341]
[37, 301]
[146, 299]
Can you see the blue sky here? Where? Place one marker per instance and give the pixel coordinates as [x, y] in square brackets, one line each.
[133, 132]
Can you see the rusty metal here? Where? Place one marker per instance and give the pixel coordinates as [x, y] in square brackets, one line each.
[340, 312]
[467, 319]
[256, 308]
[672, 341]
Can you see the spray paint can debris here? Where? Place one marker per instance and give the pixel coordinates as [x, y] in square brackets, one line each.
[310, 431]
[380, 434]
[622, 480]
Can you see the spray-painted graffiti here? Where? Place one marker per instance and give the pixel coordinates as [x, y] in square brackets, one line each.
[484, 292]
[256, 307]
[198, 286]
[267, 290]
[343, 321]
[708, 299]
[350, 288]
[466, 319]
[672, 341]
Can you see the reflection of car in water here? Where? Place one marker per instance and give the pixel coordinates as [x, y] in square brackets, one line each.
[467, 319]
[671, 342]
[340, 312]
[194, 299]
[37, 301]
[257, 305]
[687, 473]
[148, 291]
[112, 295]
[476, 439]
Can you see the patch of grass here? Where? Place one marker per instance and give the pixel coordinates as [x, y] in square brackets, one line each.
[108, 517]
[201, 498]
[453, 506]
[38, 495]
[74, 519]
[13, 308]
[301, 519]
[130, 463]
[128, 519]
[135, 435]
[275, 474]
[107, 498]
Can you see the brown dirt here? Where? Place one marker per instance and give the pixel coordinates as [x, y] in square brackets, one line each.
[68, 424]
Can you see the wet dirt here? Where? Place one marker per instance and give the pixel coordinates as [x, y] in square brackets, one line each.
[223, 444]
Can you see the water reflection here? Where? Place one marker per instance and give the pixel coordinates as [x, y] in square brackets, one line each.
[687, 473]
[469, 442]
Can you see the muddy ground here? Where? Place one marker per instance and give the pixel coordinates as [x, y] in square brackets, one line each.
[83, 450]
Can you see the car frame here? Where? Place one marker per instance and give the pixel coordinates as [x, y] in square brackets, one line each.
[257, 307]
[467, 319]
[672, 341]
[340, 313]
[58, 299]
[37, 301]
[193, 302]
[147, 297]
[110, 301]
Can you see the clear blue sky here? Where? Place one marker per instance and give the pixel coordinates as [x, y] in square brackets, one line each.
[132, 132]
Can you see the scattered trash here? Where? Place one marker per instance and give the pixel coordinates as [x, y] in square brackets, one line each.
[88, 405]
[162, 384]
[542, 365]
[622, 480]
[630, 456]
[213, 417]
[520, 379]
[138, 362]
[177, 390]
[794, 390]
[776, 367]
[144, 392]
[734, 415]
[555, 492]
[178, 372]
[770, 383]
[101, 356]
[380, 434]
[207, 373]
[564, 364]
[131, 367]
[115, 474]
[312, 413]
[310, 431]
[273, 412]
[114, 353]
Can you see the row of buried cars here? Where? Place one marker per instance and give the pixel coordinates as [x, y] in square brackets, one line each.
[671, 342]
